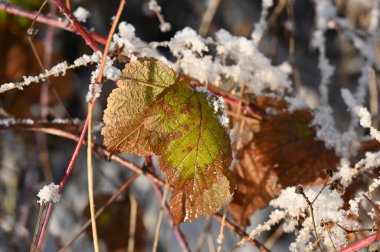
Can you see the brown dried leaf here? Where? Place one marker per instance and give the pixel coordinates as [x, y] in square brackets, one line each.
[256, 186]
[283, 152]
[287, 144]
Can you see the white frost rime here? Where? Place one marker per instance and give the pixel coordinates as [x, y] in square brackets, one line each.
[49, 194]
[81, 14]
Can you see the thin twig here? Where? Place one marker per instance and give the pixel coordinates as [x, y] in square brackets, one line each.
[274, 237]
[159, 221]
[68, 4]
[292, 48]
[203, 236]
[109, 38]
[243, 235]
[39, 217]
[374, 97]
[122, 188]
[44, 227]
[210, 242]
[132, 222]
[221, 231]
[41, 139]
[90, 178]
[348, 231]
[52, 21]
[77, 26]
[89, 137]
[310, 204]
[208, 16]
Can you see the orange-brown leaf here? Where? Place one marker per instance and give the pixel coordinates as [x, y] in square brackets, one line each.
[282, 152]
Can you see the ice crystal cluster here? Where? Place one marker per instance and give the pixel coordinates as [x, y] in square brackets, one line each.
[49, 194]
[237, 59]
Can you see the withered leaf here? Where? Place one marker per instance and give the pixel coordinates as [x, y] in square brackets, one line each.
[282, 152]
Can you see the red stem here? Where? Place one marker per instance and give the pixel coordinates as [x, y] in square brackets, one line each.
[77, 26]
[67, 174]
[177, 231]
[77, 149]
[52, 21]
[362, 243]
[44, 227]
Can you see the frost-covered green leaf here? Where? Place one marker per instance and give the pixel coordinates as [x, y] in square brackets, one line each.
[181, 127]
[194, 151]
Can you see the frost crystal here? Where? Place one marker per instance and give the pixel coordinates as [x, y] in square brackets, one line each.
[165, 27]
[58, 69]
[109, 71]
[327, 208]
[204, 90]
[7, 86]
[275, 217]
[296, 103]
[81, 14]
[365, 121]
[93, 92]
[348, 99]
[217, 102]
[49, 193]
[112, 73]
[86, 59]
[219, 106]
[127, 39]
[261, 25]
[185, 40]
[365, 117]
[328, 133]
[153, 6]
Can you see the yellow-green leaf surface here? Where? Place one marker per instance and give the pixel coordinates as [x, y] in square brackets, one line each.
[194, 151]
[181, 127]
[142, 81]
